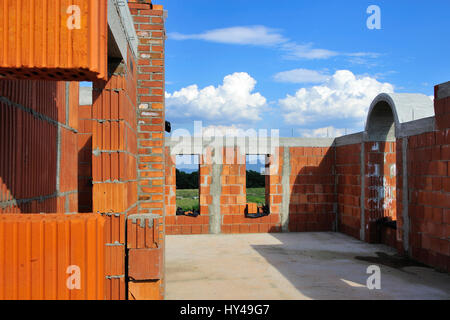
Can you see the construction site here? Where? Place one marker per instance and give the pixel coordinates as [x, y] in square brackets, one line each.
[88, 207]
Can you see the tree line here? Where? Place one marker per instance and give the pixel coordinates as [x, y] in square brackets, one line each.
[191, 180]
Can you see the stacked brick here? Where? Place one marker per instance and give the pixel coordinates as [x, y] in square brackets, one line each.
[54, 40]
[114, 166]
[429, 191]
[233, 200]
[205, 175]
[312, 184]
[170, 192]
[52, 257]
[233, 197]
[44, 154]
[348, 180]
[149, 25]
[380, 190]
[389, 237]
[38, 171]
[442, 108]
[145, 257]
[274, 188]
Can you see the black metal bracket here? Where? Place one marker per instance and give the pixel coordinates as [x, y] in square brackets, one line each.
[168, 127]
[387, 222]
[193, 213]
[261, 212]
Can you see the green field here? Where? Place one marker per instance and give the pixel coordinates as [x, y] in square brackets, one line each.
[256, 195]
[188, 199]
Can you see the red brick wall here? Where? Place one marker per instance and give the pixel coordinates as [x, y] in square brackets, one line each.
[348, 180]
[38, 169]
[233, 199]
[233, 196]
[274, 189]
[202, 226]
[429, 190]
[395, 239]
[149, 24]
[380, 190]
[184, 224]
[312, 183]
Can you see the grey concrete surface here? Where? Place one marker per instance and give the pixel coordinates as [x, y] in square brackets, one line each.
[443, 90]
[122, 30]
[292, 266]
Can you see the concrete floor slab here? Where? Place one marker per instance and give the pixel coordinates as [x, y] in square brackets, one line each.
[292, 266]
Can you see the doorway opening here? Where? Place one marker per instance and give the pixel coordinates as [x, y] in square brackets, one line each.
[257, 186]
[381, 176]
[188, 185]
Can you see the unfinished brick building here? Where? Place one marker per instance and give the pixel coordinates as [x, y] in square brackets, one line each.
[388, 184]
[88, 185]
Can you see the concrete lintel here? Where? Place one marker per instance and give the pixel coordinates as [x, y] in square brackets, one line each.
[263, 145]
[443, 90]
[307, 142]
[121, 26]
[349, 139]
[416, 127]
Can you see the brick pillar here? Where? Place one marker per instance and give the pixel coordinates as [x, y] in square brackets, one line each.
[114, 164]
[233, 195]
[380, 195]
[149, 24]
[442, 106]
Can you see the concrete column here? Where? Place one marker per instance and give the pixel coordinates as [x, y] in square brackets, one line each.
[285, 181]
[405, 194]
[363, 192]
[215, 217]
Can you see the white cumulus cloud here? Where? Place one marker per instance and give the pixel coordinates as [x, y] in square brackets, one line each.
[301, 76]
[306, 51]
[232, 102]
[259, 35]
[253, 35]
[342, 96]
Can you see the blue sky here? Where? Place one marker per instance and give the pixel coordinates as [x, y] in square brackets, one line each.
[270, 50]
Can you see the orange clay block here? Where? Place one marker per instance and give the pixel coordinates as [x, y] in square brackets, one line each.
[53, 39]
[52, 257]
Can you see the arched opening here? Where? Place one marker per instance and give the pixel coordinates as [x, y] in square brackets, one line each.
[381, 175]
[381, 123]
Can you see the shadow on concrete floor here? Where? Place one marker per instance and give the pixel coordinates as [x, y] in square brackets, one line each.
[334, 266]
[291, 266]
